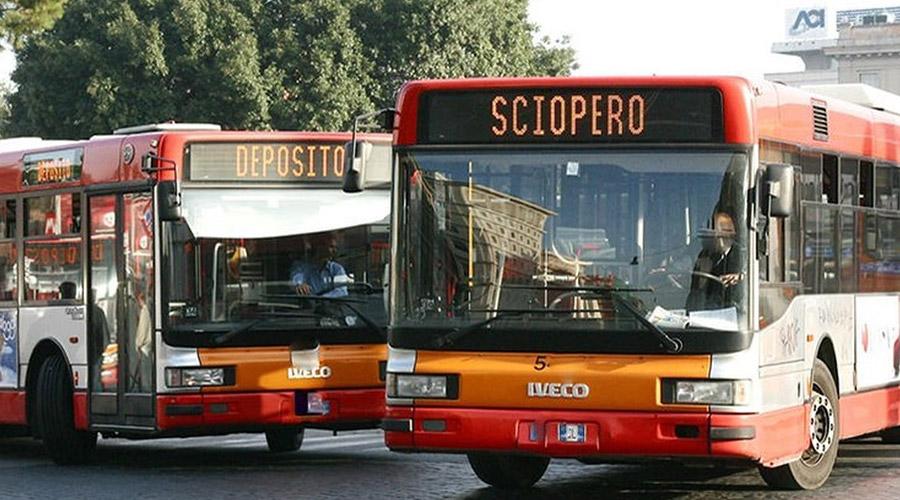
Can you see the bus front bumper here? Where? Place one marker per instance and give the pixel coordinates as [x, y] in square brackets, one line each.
[336, 408]
[767, 438]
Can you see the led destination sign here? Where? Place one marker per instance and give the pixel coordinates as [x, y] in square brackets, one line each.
[606, 115]
[305, 162]
[52, 167]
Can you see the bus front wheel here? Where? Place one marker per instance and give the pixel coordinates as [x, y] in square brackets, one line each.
[284, 440]
[508, 471]
[816, 463]
[65, 444]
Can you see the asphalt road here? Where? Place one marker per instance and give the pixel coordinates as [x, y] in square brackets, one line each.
[356, 465]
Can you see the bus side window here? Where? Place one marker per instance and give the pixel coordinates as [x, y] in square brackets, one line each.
[8, 275]
[810, 192]
[887, 186]
[52, 247]
[779, 283]
[849, 190]
[830, 181]
[866, 184]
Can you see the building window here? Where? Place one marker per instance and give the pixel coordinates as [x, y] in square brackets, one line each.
[872, 78]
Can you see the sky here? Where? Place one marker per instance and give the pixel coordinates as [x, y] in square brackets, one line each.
[642, 37]
[687, 37]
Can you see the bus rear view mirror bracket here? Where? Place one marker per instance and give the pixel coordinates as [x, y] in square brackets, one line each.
[168, 192]
[360, 151]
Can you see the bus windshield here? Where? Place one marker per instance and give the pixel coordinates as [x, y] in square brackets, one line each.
[561, 239]
[307, 282]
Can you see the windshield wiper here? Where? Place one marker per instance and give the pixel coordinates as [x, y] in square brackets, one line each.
[450, 338]
[249, 325]
[371, 325]
[668, 342]
[246, 327]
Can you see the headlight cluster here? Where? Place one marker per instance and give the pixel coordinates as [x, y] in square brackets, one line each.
[200, 377]
[706, 392]
[410, 385]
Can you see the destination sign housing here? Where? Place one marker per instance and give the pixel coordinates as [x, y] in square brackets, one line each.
[52, 167]
[578, 115]
[295, 162]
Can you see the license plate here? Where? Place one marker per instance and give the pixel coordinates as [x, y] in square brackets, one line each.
[571, 433]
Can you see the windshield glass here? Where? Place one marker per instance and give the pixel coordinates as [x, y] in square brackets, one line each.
[305, 281]
[556, 239]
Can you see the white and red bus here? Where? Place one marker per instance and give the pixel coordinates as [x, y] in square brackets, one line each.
[641, 268]
[178, 280]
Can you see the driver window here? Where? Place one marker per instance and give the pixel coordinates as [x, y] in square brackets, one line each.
[780, 269]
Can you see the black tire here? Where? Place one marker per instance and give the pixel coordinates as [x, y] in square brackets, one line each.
[53, 405]
[284, 440]
[508, 471]
[891, 436]
[814, 467]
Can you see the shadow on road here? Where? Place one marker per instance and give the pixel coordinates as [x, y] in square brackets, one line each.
[637, 481]
[167, 454]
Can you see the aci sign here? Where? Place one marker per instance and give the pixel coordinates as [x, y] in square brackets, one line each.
[806, 23]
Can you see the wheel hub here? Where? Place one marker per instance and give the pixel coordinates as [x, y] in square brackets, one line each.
[821, 424]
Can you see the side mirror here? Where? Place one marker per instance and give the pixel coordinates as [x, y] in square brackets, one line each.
[169, 196]
[778, 191]
[358, 153]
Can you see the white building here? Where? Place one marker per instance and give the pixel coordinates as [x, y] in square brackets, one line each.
[866, 48]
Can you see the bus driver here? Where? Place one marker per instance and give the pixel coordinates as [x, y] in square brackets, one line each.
[718, 267]
[320, 274]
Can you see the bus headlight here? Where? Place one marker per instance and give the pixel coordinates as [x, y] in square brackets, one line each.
[408, 385]
[706, 392]
[200, 377]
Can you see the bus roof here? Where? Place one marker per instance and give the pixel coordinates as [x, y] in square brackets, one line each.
[116, 158]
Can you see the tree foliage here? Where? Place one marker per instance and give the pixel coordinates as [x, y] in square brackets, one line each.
[251, 64]
[21, 18]
[412, 39]
[315, 59]
[104, 66]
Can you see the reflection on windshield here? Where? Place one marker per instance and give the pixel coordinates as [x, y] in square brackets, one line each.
[327, 279]
[542, 233]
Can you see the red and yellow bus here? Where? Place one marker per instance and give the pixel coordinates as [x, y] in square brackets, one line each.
[179, 280]
[642, 268]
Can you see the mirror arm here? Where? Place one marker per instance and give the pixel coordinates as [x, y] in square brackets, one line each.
[149, 158]
[388, 113]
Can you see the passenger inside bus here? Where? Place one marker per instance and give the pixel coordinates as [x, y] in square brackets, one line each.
[319, 274]
[718, 267]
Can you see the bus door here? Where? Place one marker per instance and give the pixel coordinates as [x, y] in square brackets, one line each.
[122, 353]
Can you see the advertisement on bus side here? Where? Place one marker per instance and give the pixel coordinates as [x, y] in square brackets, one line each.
[877, 341]
[9, 349]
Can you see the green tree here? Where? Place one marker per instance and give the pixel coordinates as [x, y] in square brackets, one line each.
[104, 66]
[317, 62]
[5, 91]
[21, 18]
[251, 64]
[412, 39]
